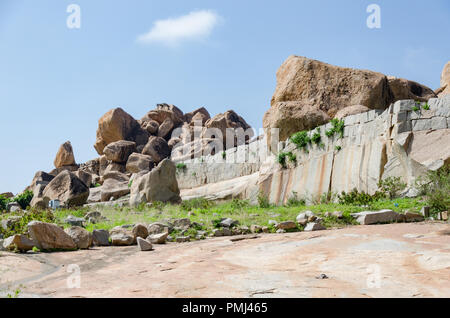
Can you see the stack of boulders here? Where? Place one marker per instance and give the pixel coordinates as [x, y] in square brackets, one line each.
[310, 93]
[134, 157]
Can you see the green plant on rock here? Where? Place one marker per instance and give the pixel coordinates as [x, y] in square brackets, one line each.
[426, 106]
[316, 137]
[295, 200]
[3, 203]
[436, 186]
[291, 156]
[392, 186]
[224, 155]
[198, 203]
[281, 159]
[24, 199]
[301, 140]
[181, 167]
[338, 148]
[337, 128]
[238, 204]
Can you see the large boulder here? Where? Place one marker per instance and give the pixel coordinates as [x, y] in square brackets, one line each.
[163, 112]
[138, 162]
[50, 236]
[351, 110]
[64, 156]
[118, 125]
[119, 151]
[160, 184]
[445, 81]
[157, 148]
[222, 122]
[404, 89]
[19, 242]
[82, 238]
[200, 115]
[112, 188]
[68, 189]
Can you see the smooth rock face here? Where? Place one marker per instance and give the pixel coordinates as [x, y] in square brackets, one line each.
[68, 189]
[157, 148]
[119, 151]
[383, 216]
[118, 125]
[138, 162]
[82, 238]
[65, 156]
[100, 237]
[19, 241]
[413, 217]
[144, 245]
[158, 238]
[160, 184]
[313, 226]
[50, 236]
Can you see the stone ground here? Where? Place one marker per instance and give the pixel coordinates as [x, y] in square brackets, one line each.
[413, 261]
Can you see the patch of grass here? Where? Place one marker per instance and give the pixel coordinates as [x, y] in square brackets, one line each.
[3, 203]
[436, 186]
[20, 227]
[281, 159]
[426, 106]
[181, 167]
[316, 137]
[392, 186]
[263, 201]
[338, 148]
[337, 128]
[295, 200]
[199, 203]
[359, 198]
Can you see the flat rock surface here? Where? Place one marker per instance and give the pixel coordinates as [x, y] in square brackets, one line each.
[413, 260]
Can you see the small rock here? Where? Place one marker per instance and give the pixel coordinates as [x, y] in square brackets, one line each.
[413, 217]
[314, 227]
[369, 217]
[273, 223]
[312, 218]
[13, 207]
[157, 228]
[74, 221]
[229, 223]
[222, 232]
[244, 229]
[327, 214]
[122, 239]
[444, 216]
[255, 228]
[183, 239]
[182, 223]
[158, 238]
[265, 229]
[144, 245]
[100, 237]
[281, 231]
[302, 222]
[338, 214]
[322, 276]
[288, 225]
[19, 241]
[82, 238]
[140, 230]
[10, 222]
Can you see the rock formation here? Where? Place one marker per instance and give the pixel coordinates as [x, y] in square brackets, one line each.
[309, 93]
[445, 81]
[65, 156]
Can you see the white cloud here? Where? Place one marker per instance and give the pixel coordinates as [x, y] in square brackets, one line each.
[196, 25]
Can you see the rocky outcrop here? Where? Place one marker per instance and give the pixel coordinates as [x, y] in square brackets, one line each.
[50, 236]
[65, 156]
[445, 81]
[404, 89]
[68, 189]
[160, 184]
[119, 151]
[19, 242]
[157, 148]
[351, 110]
[139, 162]
[306, 86]
[118, 125]
[82, 238]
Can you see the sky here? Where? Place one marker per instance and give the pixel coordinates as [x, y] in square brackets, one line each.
[56, 81]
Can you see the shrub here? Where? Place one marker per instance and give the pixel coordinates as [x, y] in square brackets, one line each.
[338, 148]
[338, 128]
[436, 186]
[21, 227]
[24, 199]
[198, 203]
[359, 198]
[3, 202]
[238, 204]
[426, 106]
[263, 201]
[316, 137]
[224, 155]
[392, 186]
[294, 200]
[281, 159]
[292, 157]
[301, 139]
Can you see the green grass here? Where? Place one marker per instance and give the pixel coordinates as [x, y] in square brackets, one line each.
[206, 213]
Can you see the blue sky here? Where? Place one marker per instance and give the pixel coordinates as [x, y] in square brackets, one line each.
[56, 82]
